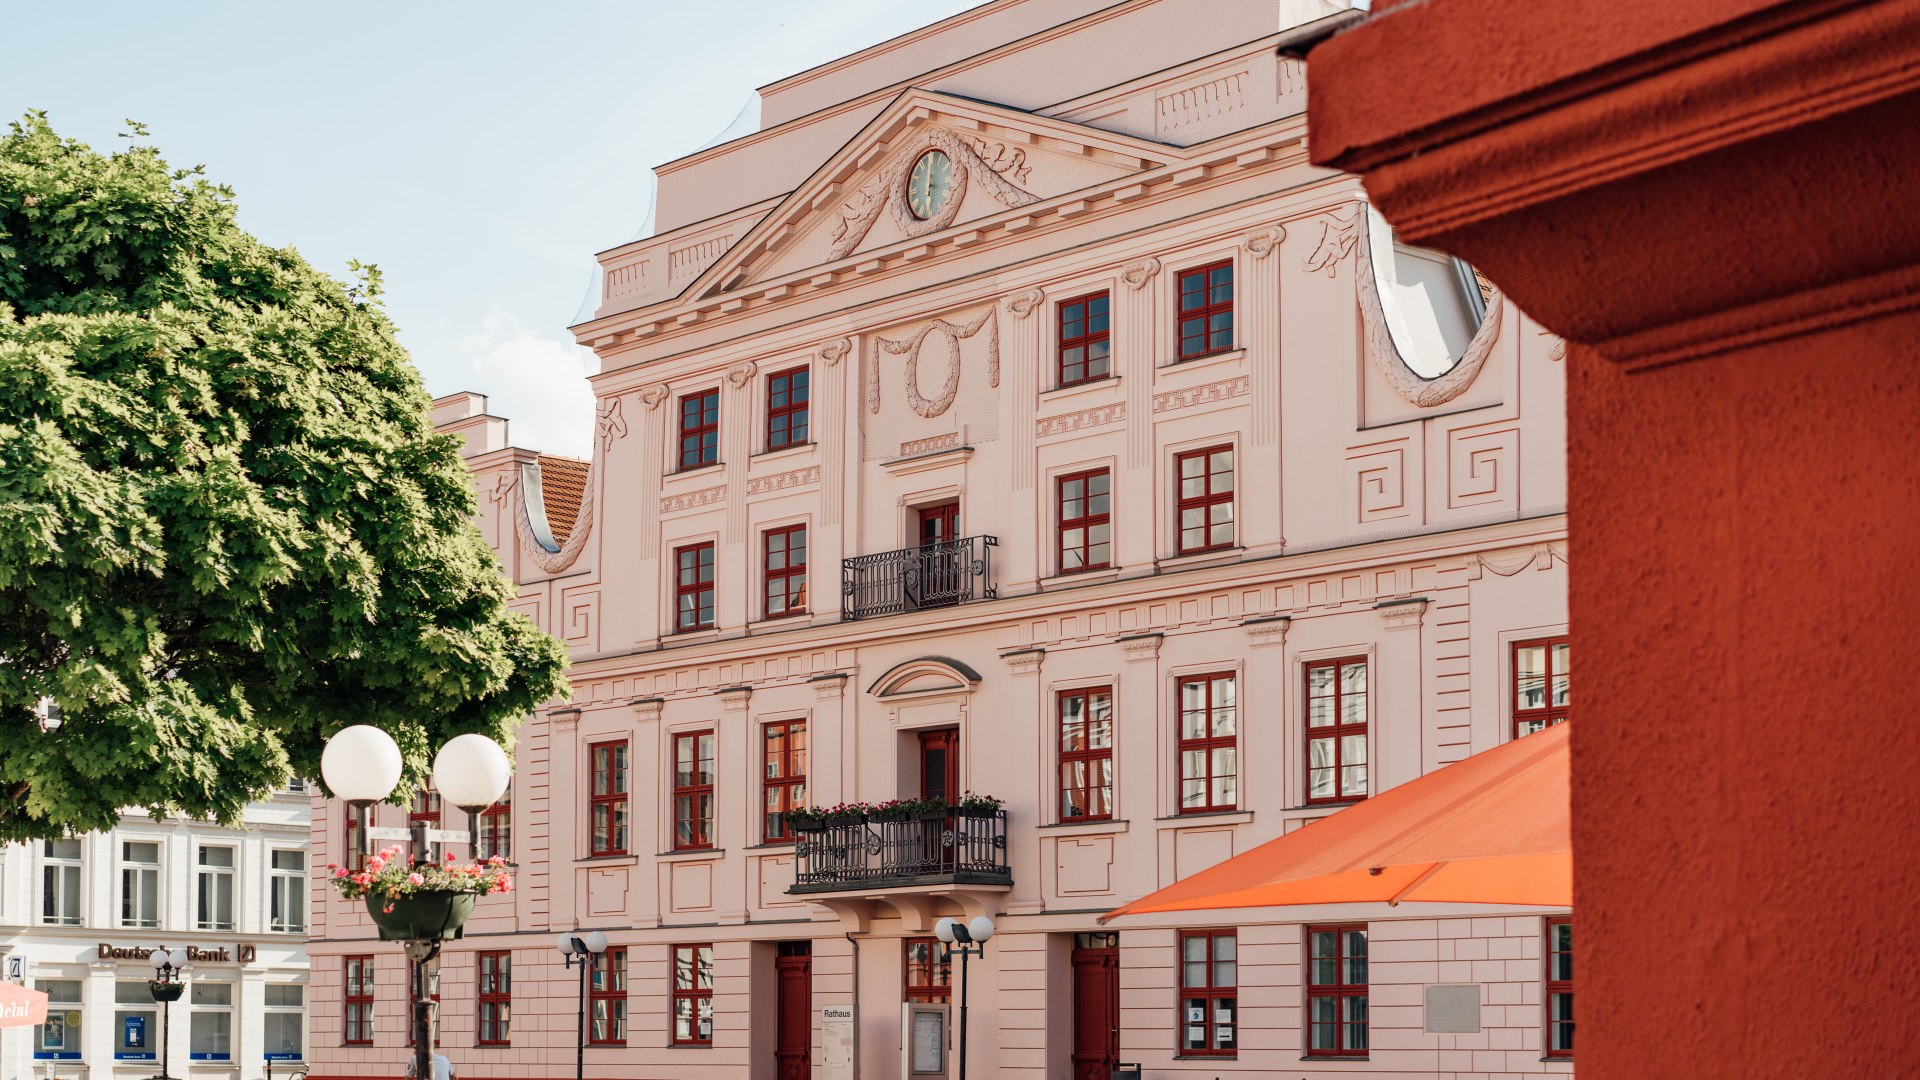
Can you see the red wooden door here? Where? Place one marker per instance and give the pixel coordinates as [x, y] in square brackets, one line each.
[939, 524]
[1096, 1006]
[793, 1042]
[942, 570]
[940, 763]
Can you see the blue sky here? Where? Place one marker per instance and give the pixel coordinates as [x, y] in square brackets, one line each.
[478, 152]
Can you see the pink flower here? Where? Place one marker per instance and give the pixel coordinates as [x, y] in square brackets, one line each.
[496, 861]
[506, 883]
[388, 910]
[376, 864]
[363, 879]
[449, 856]
[339, 871]
[416, 879]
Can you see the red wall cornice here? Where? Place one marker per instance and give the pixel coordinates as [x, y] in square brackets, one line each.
[1589, 122]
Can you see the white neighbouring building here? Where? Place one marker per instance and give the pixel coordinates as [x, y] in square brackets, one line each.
[78, 916]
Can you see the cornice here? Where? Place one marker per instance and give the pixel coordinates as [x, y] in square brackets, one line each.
[1657, 155]
[892, 90]
[1454, 544]
[1280, 144]
[787, 342]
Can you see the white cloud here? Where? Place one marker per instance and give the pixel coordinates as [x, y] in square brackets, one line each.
[539, 384]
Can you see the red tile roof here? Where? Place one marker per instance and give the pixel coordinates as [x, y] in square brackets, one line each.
[563, 480]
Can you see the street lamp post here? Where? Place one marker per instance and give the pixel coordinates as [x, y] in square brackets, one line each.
[965, 938]
[580, 950]
[361, 766]
[166, 986]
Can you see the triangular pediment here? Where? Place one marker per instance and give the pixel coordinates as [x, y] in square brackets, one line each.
[996, 160]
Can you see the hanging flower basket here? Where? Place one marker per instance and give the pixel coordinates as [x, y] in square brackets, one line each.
[807, 824]
[423, 915]
[418, 901]
[165, 991]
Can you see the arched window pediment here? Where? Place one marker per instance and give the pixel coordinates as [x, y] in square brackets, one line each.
[925, 675]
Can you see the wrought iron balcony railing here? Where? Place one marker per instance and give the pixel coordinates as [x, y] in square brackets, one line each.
[955, 847]
[911, 579]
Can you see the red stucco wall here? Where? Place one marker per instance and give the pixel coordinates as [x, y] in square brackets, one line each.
[1745, 531]
[1717, 199]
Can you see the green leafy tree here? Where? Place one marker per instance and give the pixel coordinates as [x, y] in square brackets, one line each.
[227, 528]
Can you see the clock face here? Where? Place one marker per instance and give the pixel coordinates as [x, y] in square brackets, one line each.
[930, 185]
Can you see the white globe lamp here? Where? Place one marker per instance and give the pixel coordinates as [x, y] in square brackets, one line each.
[361, 764]
[470, 772]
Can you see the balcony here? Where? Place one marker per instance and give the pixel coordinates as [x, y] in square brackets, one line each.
[950, 847]
[913, 579]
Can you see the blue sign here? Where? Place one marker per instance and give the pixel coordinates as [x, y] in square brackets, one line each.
[198, 1056]
[292, 1055]
[57, 1055]
[136, 1032]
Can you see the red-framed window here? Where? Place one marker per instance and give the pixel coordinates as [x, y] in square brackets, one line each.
[1209, 993]
[1209, 736]
[1337, 991]
[495, 998]
[1204, 517]
[1086, 521]
[607, 997]
[1085, 330]
[692, 995]
[693, 587]
[413, 1002]
[693, 790]
[496, 829]
[350, 857]
[927, 970]
[787, 394]
[784, 776]
[607, 798]
[1560, 987]
[359, 1001]
[700, 429]
[1206, 310]
[1539, 684]
[1086, 754]
[1337, 730]
[426, 809]
[784, 562]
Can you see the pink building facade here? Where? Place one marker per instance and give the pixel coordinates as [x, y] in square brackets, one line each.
[1038, 424]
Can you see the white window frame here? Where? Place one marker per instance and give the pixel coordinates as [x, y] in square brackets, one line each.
[299, 1012]
[121, 1010]
[198, 1010]
[70, 1034]
[130, 874]
[70, 869]
[290, 885]
[202, 872]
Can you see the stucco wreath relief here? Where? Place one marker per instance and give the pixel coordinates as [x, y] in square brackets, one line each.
[1338, 237]
[951, 334]
[994, 166]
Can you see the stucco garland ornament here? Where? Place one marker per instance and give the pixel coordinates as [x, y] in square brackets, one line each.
[1385, 354]
[538, 543]
[888, 190]
[911, 348]
[612, 425]
[1138, 274]
[832, 352]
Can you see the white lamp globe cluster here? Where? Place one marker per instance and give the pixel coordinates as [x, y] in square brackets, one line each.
[977, 929]
[162, 959]
[362, 764]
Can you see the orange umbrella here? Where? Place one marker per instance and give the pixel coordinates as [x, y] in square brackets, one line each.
[21, 1007]
[1492, 829]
